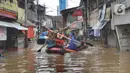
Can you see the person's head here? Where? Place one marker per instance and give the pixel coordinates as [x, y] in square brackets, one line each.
[71, 35]
[44, 29]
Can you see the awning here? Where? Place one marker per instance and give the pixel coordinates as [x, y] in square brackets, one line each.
[12, 25]
[96, 25]
[100, 25]
[19, 27]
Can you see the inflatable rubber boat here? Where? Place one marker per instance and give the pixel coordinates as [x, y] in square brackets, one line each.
[55, 50]
[61, 51]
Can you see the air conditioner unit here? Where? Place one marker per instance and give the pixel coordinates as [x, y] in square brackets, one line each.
[119, 9]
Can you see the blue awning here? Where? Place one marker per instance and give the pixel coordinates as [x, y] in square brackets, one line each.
[12, 25]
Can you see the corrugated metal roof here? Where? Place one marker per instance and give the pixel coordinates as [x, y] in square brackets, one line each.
[12, 25]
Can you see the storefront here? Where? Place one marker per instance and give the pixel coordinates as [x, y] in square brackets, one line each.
[3, 37]
[12, 33]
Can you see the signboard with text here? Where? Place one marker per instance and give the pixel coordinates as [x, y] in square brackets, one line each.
[3, 34]
[7, 13]
[77, 12]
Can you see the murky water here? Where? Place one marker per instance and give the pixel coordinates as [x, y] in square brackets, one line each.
[20, 61]
[92, 60]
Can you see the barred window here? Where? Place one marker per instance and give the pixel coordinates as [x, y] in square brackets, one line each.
[11, 1]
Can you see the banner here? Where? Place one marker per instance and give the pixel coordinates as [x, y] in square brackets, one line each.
[77, 13]
[8, 9]
[3, 34]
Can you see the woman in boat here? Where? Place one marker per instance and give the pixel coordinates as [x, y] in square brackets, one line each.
[72, 45]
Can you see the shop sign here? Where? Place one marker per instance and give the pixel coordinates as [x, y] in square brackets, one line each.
[3, 33]
[77, 12]
[8, 13]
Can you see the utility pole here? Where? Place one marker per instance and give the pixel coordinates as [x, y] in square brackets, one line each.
[26, 33]
[86, 16]
[38, 17]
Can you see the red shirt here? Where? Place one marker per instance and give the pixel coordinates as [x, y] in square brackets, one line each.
[59, 42]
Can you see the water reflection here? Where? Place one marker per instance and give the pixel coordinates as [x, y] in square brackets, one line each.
[124, 62]
[62, 64]
[59, 63]
[17, 61]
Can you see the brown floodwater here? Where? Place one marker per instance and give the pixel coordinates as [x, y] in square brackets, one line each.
[17, 61]
[92, 60]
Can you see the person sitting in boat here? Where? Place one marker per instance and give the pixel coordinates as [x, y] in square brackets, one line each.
[51, 40]
[72, 45]
[43, 36]
[60, 41]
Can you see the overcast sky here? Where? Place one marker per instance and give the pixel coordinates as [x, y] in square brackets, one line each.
[52, 5]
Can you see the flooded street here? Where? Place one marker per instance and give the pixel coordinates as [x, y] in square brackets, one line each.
[92, 60]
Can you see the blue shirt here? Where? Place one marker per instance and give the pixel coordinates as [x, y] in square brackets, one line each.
[72, 46]
[42, 36]
[44, 33]
[50, 43]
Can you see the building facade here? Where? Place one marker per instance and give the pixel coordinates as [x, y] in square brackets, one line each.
[97, 15]
[57, 21]
[120, 23]
[10, 28]
[72, 18]
[62, 6]
[114, 32]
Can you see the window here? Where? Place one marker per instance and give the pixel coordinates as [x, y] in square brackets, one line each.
[101, 2]
[11, 1]
[122, 1]
[93, 4]
[21, 4]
